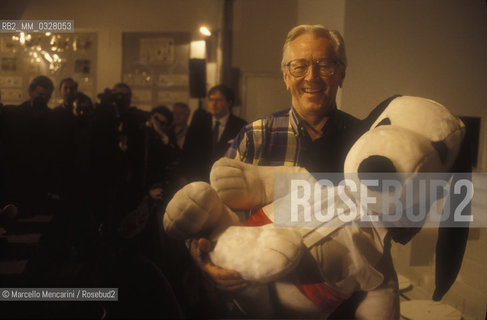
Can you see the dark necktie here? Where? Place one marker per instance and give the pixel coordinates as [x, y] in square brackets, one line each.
[216, 129]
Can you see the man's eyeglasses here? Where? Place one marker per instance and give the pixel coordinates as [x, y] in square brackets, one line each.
[299, 68]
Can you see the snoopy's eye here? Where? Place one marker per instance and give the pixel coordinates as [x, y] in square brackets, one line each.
[384, 122]
[442, 150]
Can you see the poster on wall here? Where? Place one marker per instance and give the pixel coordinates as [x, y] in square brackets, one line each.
[12, 95]
[82, 66]
[155, 66]
[141, 96]
[8, 64]
[10, 81]
[171, 97]
[157, 50]
[8, 45]
[168, 80]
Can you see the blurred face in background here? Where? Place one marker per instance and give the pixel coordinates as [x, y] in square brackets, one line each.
[68, 92]
[159, 123]
[125, 94]
[181, 115]
[40, 96]
[82, 106]
[219, 106]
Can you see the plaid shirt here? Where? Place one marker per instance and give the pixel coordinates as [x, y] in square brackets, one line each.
[281, 139]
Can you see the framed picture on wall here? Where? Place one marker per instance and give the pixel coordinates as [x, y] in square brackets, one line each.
[155, 65]
[56, 56]
[82, 66]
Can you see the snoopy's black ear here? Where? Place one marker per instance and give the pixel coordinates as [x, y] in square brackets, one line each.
[442, 150]
[374, 114]
[384, 122]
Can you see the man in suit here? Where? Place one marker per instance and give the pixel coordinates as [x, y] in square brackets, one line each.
[26, 150]
[210, 134]
[225, 126]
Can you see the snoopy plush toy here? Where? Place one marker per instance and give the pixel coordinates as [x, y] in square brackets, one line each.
[310, 271]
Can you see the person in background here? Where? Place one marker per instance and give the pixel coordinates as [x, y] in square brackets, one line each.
[68, 88]
[40, 92]
[211, 133]
[63, 123]
[82, 106]
[26, 150]
[116, 155]
[224, 124]
[181, 112]
[158, 160]
[162, 154]
[142, 226]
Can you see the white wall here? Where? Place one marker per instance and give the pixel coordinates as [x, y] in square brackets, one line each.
[329, 13]
[434, 49]
[260, 28]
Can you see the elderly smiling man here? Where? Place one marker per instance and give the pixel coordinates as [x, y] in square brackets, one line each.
[312, 134]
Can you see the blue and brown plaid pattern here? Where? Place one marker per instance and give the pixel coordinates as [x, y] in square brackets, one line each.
[270, 141]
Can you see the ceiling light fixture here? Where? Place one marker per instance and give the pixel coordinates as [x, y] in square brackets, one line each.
[204, 30]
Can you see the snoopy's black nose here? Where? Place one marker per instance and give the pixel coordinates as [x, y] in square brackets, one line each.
[376, 164]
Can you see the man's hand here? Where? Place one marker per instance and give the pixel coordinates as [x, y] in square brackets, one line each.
[227, 280]
[157, 193]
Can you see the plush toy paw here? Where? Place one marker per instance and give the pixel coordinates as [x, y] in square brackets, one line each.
[240, 185]
[197, 211]
[244, 186]
[259, 254]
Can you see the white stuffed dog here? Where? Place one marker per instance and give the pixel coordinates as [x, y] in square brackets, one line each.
[410, 135]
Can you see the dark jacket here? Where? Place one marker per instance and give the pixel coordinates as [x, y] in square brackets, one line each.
[26, 154]
[232, 128]
[198, 153]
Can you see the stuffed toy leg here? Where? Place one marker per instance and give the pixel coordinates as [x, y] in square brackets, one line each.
[197, 211]
[259, 254]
